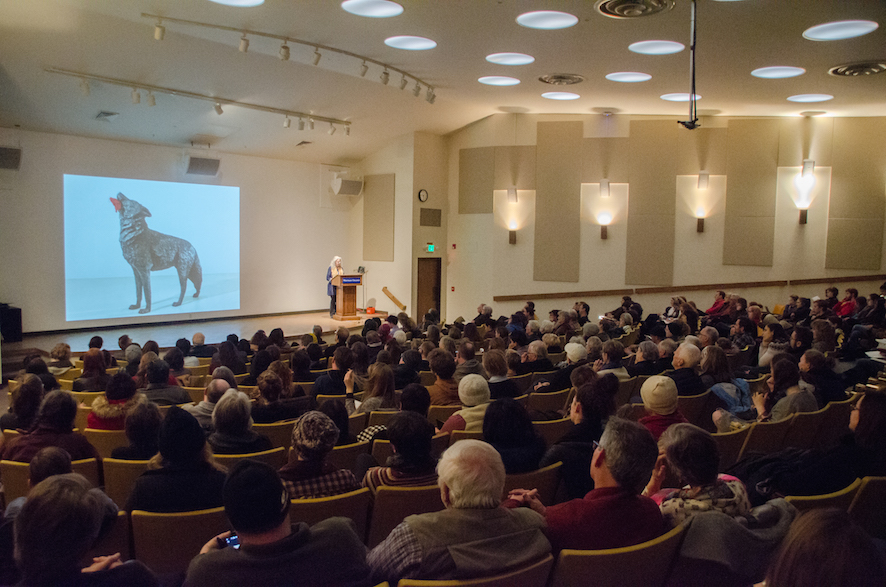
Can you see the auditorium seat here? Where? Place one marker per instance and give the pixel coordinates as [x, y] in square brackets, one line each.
[393, 504]
[120, 477]
[354, 505]
[105, 441]
[729, 445]
[345, 456]
[457, 435]
[166, 542]
[116, 539]
[280, 433]
[534, 575]
[627, 388]
[547, 402]
[545, 480]
[85, 397]
[643, 565]
[867, 507]
[437, 415]
[841, 499]
[805, 428]
[552, 430]
[276, 457]
[766, 437]
[694, 407]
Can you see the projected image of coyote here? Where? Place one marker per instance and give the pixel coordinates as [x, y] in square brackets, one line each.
[147, 250]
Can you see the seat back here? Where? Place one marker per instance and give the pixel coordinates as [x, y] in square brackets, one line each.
[276, 457]
[457, 435]
[345, 456]
[841, 499]
[427, 378]
[306, 386]
[81, 417]
[105, 441]
[643, 565]
[627, 388]
[693, 406]
[166, 543]
[204, 361]
[201, 370]
[85, 397]
[380, 418]
[381, 451]
[441, 413]
[556, 358]
[280, 433]
[804, 428]
[835, 423]
[867, 506]
[729, 444]
[196, 393]
[14, 476]
[547, 402]
[532, 576]
[393, 504]
[89, 468]
[545, 480]
[552, 430]
[354, 505]
[325, 398]
[357, 422]
[120, 477]
[115, 539]
[766, 437]
[523, 382]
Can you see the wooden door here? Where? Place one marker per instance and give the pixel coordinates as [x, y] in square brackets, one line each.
[429, 284]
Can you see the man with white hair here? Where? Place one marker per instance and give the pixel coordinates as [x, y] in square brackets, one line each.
[576, 355]
[200, 348]
[471, 537]
[484, 315]
[686, 358]
[535, 359]
[203, 411]
[708, 336]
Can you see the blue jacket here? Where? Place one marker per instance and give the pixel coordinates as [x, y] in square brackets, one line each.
[330, 289]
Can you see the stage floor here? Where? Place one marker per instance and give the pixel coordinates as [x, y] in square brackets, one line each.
[166, 334]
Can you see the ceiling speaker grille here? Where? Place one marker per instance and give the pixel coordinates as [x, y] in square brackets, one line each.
[561, 79]
[860, 68]
[633, 8]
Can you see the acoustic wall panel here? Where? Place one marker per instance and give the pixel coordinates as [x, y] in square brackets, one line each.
[514, 167]
[476, 173]
[858, 194]
[606, 158]
[703, 149]
[651, 203]
[558, 201]
[752, 170]
[378, 210]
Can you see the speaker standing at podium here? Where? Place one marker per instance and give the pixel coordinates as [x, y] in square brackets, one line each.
[334, 269]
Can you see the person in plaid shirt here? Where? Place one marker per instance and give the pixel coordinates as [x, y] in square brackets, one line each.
[307, 474]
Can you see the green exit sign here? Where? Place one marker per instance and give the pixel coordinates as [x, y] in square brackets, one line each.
[430, 247]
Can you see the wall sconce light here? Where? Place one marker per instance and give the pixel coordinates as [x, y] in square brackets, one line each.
[703, 178]
[805, 182]
[512, 195]
[804, 215]
[699, 225]
[512, 233]
[604, 188]
[808, 167]
[604, 218]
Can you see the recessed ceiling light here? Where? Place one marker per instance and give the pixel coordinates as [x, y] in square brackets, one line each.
[547, 20]
[679, 97]
[239, 3]
[810, 98]
[656, 47]
[843, 29]
[410, 43]
[778, 72]
[372, 8]
[560, 96]
[510, 58]
[498, 80]
[628, 76]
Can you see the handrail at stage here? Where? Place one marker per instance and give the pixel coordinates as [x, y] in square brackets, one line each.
[394, 299]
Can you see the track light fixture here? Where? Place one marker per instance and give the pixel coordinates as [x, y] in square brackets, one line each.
[416, 90]
[363, 69]
[151, 92]
[431, 96]
[311, 123]
[403, 83]
[317, 56]
[159, 31]
[331, 129]
[244, 44]
[284, 52]
[348, 130]
[385, 77]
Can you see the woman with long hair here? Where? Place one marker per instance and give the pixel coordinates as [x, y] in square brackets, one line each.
[379, 393]
[412, 463]
[334, 270]
[24, 405]
[94, 377]
[718, 377]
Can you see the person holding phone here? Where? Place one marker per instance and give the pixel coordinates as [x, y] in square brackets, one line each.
[334, 269]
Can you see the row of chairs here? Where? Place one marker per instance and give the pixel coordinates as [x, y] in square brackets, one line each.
[863, 499]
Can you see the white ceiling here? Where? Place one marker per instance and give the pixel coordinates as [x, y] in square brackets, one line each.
[111, 38]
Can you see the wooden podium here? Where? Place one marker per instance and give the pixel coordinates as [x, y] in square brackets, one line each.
[346, 296]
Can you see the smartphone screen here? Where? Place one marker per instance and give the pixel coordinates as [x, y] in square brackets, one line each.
[233, 541]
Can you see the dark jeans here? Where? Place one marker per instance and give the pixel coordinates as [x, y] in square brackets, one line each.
[332, 301]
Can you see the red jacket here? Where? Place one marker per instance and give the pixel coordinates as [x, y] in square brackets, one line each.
[657, 423]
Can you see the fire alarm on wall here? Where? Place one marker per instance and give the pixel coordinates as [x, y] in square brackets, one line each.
[453, 288]
[453, 245]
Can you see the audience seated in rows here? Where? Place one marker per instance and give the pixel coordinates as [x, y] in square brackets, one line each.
[159, 390]
[333, 381]
[109, 411]
[25, 405]
[142, 432]
[272, 404]
[379, 394]
[94, 377]
[686, 357]
[54, 426]
[232, 426]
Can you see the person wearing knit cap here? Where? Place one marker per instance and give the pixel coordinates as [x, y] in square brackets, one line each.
[473, 391]
[308, 474]
[183, 476]
[659, 395]
[273, 550]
